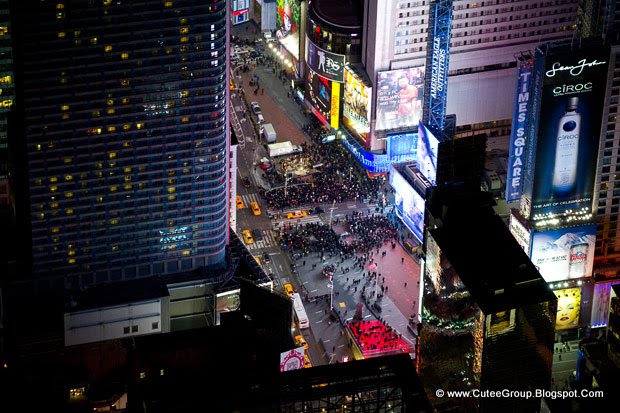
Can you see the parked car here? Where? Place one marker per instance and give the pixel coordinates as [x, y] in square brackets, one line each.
[255, 108]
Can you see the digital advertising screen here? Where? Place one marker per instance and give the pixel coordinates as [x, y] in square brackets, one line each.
[288, 16]
[356, 105]
[319, 94]
[426, 156]
[520, 232]
[402, 147]
[564, 253]
[327, 64]
[569, 303]
[408, 203]
[569, 128]
[500, 323]
[399, 98]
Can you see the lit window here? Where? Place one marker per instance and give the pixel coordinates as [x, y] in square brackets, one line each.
[139, 125]
[67, 160]
[68, 194]
[96, 114]
[64, 107]
[171, 197]
[107, 2]
[185, 119]
[93, 40]
[65, 116]
[54, 205]
[186, 252]
[53, 188]
[69, 211]
[112, 155]
[127, 187]
[110, 111]
[125, 101]
[124, 56]
[61, 35]
[111, 128]
[182, 20]
[184, 30]
[77, 33]
[99, 165]
[168, 4]
[99, 199]
[71, 260]
[126, 126]
[114, 247]
[38, 181]
[60, 6]
[184, 39]
[113, 188]
[54, 179]
[127, 178]
[55, 230]
[68, 177]
[127, 169]
[125, 82]
[142, 374]
[38, 146]
[71, 252]
[126, 144]
[41, 215]
[108, 48]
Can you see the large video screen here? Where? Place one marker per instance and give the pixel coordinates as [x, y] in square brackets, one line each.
[288, 16]
[426, 158]
[326, 64]
[564, 253]
[399, 98]
[402, 147]
[356, 105]
[569, 304]
[319, 93]
[409, 203]
[569, 128]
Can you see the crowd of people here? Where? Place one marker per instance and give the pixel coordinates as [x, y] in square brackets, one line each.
[310, 237]
[374, 337]
[371, 231]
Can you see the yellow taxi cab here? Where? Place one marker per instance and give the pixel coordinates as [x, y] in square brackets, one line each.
[296, 214]
[255, 208]
[301, 341]
[288, 289]
[247, 236]
[258, 261]
[240, 204]
[307, 362]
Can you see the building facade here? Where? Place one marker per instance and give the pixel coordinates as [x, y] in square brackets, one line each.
[126, 128]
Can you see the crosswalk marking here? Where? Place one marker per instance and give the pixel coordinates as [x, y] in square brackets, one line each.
[269, 240]
[281, 223]
[247, 198]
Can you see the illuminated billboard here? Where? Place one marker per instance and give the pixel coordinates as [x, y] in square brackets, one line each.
[569, 128]
[521, 233]
[356, 105]
[426, 157]
[399, 98]
[516, 158]
[402, 147]
[288, 16]
[564, 253]
[569, 303]
[327, 64]
[500, 323]
[409, 204]
[334, 111]
[292, 360]
[319, 94]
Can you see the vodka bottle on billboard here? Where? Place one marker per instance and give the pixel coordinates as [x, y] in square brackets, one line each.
[567, 151]
[578, 260]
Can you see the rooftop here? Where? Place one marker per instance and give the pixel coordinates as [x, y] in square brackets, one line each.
[489, 261]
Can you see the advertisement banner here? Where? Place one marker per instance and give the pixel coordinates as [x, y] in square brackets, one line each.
[426, 158]
[319, 94]
[440, 22]
[327, 64]
[292, 360]
[399, 98]
[409, 204]
[564, 253]
[516, 157]
[569, 303]
[520, 232]
[356, 105]
[402, 147]
[569, 129]
[334, 112]
[288, 15]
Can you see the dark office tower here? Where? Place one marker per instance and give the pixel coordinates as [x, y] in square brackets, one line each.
[125, 120]
[488, 316]
[7, 98]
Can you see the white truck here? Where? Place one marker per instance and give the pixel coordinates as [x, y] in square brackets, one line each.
[283, 148]
[268, 132]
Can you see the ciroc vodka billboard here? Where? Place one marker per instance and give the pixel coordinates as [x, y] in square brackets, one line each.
[570, 118]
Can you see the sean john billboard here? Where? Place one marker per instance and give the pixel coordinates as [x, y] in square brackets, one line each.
[569, 129]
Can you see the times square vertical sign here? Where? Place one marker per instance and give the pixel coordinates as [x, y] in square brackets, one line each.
[516, 157]
[438, 60]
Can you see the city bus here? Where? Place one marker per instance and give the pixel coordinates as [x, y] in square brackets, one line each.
[300, 312]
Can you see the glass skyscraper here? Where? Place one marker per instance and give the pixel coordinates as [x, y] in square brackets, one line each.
[126, 127]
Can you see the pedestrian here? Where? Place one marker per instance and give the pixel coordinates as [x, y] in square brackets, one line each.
[405, 285]
[402, 260]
